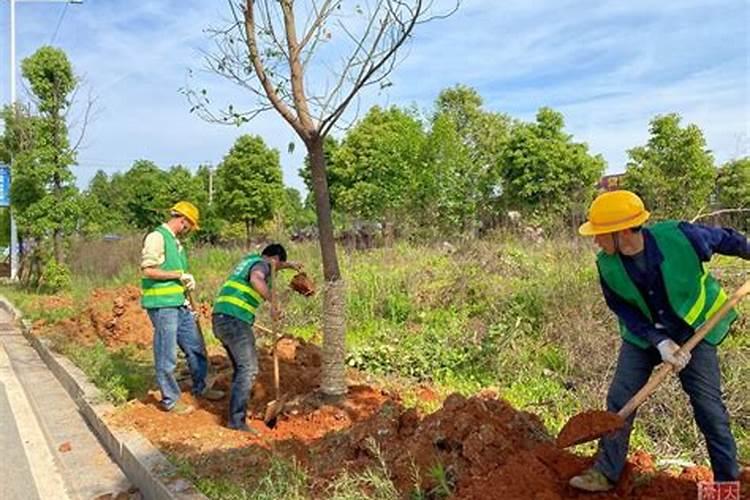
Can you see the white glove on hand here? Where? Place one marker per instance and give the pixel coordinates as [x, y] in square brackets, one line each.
[668, 350]
[188, 280]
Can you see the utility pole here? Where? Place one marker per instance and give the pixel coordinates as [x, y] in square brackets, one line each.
[13, 228]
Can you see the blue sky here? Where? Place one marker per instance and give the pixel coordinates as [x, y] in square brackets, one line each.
[608, 66]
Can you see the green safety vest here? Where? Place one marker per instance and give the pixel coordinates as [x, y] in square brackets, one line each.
[237, 297]
[166, 293]
[693, 292]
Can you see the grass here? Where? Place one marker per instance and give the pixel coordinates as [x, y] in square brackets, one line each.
[282, 479]
[121, 375]
[289, 480]
[525, 318]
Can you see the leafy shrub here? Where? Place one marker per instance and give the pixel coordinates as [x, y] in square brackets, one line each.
[55, 277]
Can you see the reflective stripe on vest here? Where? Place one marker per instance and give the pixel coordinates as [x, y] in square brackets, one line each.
[237, 297]
[167, 290]
[693, 293]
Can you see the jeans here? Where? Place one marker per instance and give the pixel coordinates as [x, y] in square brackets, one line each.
[239, 341]
[701, 380]
[175, 326]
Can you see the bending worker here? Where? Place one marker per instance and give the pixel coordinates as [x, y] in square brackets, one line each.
[654, 281]
[164, 284]
[234, 311]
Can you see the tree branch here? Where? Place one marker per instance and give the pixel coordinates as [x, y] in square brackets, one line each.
[365, 75]
[252, 47]
[718, 212]
[295, 67]
[86, 115]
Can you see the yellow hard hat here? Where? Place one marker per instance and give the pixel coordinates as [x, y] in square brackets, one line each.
[188, 210]
[614, 211]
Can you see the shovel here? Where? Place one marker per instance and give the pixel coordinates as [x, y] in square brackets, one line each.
[210, 376]
[591, 425]
[276, 406]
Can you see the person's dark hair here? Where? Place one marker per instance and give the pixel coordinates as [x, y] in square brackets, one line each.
[275, 250]
[636, 229]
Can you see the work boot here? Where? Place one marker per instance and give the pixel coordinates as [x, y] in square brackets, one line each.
[211, 394]
[591, 480]
[246, 429]
[180, 408]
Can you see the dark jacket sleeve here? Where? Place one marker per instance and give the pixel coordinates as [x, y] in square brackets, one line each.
[638, 324]
[707, 240]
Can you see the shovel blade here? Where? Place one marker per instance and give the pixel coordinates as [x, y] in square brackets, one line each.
[588, 426]
[273, 410]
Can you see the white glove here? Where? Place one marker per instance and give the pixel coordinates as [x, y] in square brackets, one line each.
[188, 280]
[668, 349]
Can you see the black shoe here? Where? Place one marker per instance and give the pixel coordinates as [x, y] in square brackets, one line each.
[246, 429]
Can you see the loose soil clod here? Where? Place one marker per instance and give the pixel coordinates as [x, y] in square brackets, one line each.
[588, 426]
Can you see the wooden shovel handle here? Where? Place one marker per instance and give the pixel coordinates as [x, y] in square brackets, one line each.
[275, 329]
[665, 369]
[189, 295]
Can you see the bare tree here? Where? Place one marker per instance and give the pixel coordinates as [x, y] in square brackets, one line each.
[310, 73]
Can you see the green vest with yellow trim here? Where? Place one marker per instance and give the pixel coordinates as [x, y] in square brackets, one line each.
[166, 293]
[693, 292]
[237, 297]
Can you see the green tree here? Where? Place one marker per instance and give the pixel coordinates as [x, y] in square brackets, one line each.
[375, 165]
[102, 207]
[443, 199]
[146, 194]
[330, 146]
[212, 223]
[44, 184]
[250, 187]
[294, 212]
[733, 192]
[733, 184]
[183, 185]
[461, 172]
[673, 172]
[544, 172]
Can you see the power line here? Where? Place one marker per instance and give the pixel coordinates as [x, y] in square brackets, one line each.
[59, 22]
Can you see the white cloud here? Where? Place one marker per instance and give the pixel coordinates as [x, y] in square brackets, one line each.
[608, 66]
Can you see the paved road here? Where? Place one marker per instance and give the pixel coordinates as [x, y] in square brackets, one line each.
[15, 473]
[47, 450]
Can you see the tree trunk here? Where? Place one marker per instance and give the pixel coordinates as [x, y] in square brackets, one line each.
[248, 227]
[333, 382]
[57, 234]
[57, 243]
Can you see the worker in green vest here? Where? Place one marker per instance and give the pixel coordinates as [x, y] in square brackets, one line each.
[165, 282]
[234, 312]
[654, 280]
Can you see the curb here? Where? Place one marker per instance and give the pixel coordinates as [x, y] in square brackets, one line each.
[144, 465]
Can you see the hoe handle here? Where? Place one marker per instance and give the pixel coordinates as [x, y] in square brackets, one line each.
[665, 369]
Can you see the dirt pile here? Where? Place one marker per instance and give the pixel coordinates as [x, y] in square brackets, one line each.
[117, 317]
[480, 446]
[112, 316]
[466, 438]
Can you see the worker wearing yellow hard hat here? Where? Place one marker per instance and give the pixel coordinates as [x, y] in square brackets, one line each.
[653, 279]
[165, 285]
[614, 211]
[188, 211]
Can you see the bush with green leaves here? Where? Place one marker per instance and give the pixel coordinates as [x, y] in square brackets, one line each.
[55, 277]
